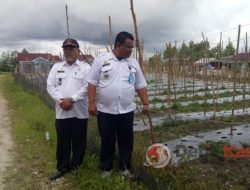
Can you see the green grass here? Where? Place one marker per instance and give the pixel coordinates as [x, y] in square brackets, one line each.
[34, 157]
[4, 73]
[35, 160]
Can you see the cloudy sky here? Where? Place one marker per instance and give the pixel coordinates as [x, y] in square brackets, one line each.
[40, 26]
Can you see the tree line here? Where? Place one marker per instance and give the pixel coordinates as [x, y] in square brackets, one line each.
[196, 51]
[8, 60]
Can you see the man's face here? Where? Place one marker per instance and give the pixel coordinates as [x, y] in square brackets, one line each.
[126, 48]
[71, 54]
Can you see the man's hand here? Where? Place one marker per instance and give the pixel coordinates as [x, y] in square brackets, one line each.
[92, 109]
[145, 109]
[66, 104]
[143, 94]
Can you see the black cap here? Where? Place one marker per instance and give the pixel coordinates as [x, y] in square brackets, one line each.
[69, 42]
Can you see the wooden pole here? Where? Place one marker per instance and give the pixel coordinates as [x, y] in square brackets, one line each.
[169, 76]
[238, 40]
[234, 73]
[151, 128]
[234, 81]
[141, 115]
[205, 69]
[110, 34]
[138, 46]
[246, 48]
[67, 21]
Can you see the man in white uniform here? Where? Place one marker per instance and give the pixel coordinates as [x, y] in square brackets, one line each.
[112, 81]
[67, 85]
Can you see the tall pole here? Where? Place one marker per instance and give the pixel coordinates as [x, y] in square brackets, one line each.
[138, 46]
[205, 70]
[67, 20]
[110, 34]
[169, 47]
[238, 40]
[246, 48]
[234, 81]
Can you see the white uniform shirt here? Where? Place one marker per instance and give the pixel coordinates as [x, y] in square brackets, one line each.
[116, 82]
[65, 81]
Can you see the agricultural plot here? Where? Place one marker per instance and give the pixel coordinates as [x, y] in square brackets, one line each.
[188, 104]
[196, 121]
[190, 110]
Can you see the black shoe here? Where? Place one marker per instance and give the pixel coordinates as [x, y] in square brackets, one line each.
[57, 175]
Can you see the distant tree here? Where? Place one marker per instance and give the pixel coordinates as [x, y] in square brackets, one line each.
[8, 61]
[24, 50]
[216, 51]
[154, 61]
[198, 49]
[229, 50]
[185, 51]
[170, 51]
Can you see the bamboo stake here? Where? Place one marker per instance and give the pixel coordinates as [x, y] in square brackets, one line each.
[205, 76]
[110, 34]
[244, 90]
[184, 79]
[234, 73]
[67, 21]
[193, 70]
[138, 46]
[107, 48]
[212, 84]
[151, 128]
[234, 83]
[169, 78]
[246, 48]
[141, 115]
[238, 40]
[244, 80]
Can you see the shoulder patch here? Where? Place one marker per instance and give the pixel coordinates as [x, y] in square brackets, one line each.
[105, 63]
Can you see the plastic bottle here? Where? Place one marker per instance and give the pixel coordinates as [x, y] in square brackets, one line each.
[47, 136]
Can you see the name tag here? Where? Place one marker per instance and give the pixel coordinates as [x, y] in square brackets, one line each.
[131, 78]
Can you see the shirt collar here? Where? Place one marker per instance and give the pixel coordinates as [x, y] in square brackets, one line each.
[76, 63]
[113, 57]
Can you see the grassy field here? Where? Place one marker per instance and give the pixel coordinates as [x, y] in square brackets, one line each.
[34, 159]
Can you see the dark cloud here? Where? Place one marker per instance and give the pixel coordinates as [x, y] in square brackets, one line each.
[34, 23]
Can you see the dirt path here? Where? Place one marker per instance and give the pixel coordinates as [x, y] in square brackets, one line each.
[6, 142]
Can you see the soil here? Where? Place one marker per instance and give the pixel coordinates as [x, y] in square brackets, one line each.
[6, 142]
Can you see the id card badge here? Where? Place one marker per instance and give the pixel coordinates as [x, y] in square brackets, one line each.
[60, 82]
[131, 78]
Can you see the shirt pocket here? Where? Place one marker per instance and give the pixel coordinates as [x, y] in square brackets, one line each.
[79, 80]
[107, 75]
[60, 79]
[79, 76]
[106, 72]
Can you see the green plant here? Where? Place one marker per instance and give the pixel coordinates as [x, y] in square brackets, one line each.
[163, 108]
[215, 149]
[176, 106]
